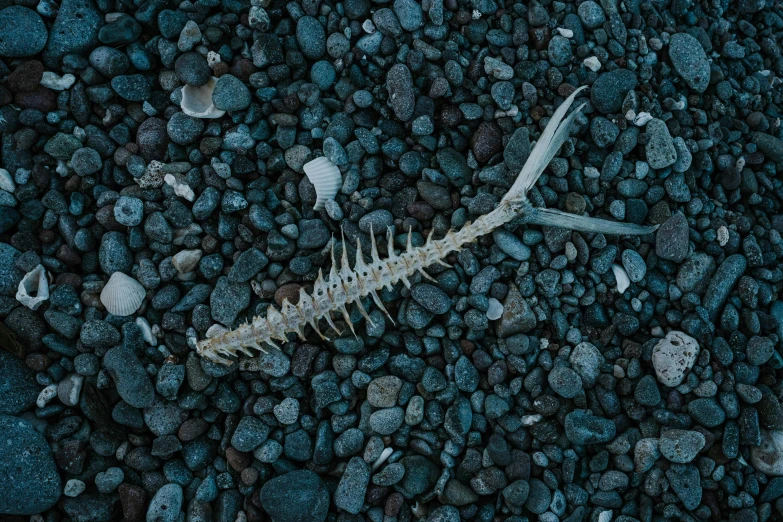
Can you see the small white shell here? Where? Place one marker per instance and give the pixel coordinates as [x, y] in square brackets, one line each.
[197, 101]
[495, 310]
[325, 177]
[146, 331]
[623, 281]
[33, 289]
[605, 516]
[122, 295]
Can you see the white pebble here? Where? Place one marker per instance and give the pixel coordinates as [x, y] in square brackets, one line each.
[592, 63]
[46, 395]
[495, 309]
[186, 261]
[56, 82]
[623, 281]
[673, 357]
[368, 26]
[592, 172]
[74, 488]
[567, 33]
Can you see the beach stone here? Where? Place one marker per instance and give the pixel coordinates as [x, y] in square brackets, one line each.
[681, 446]
[383, 391]
[311, 37]
[686, 484]
[31, 482]
[402, 99]
[727, 275]
[672, 241]
[609, 89]
[297, 496]
[22, 32]
[132, 382]
[582, 427]
[673, 357]
[166, 505]
[75, 31]
[231, 94]
[690, 61]
[660, 149]
[350, 492]
[18, 389]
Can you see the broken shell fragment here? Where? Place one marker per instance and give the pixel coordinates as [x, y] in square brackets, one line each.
[197, 101]
[623, 281]
[181, 189]
[122, 295]
[33, 289]
[325, 177]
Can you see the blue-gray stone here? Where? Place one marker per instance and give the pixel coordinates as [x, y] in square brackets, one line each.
[349, 495]
[75, 31]
[690, 61]
[297, 496]
[18, 389]
[31, 483]
[22, 32]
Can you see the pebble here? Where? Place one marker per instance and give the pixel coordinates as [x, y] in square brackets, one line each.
[767, 457]
[672, 239]
[690, 61]
[681, 446]
[231, 94]
[166, 505]
[296, 496]
[22, 32]
[610, 89]
[132, 382]
[26, 456]
[582, 427]
[350, 492]
[311, 37]
[660, 148]
[401, 95]
[17, 385]
[132, 87]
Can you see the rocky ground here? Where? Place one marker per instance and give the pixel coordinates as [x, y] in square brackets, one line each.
[546, 375]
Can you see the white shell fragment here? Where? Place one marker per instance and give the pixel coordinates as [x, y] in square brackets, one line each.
[495, 309]
[197, 101]
[592, 63]
[146, 331]
[47, 394]
[673, 357]
[325, 177]
[33, 289]
[122, 295]
[623, 281]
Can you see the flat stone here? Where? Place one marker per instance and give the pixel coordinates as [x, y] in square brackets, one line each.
[690, 61]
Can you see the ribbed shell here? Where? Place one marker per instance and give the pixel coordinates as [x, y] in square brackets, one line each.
[325, 177]
[122, 295]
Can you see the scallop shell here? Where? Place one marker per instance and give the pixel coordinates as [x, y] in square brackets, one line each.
[122, 295]
[33, 289]
[623, 281]
[325, 177]
[197, 101]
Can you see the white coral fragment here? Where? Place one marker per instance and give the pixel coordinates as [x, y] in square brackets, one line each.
[56, 82]
[181, 189]
[33, 289]
[197, 101]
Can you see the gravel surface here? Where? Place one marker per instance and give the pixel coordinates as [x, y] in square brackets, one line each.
[521, 384]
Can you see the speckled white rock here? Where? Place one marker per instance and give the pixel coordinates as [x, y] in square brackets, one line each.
[768, 457]
[673, 357]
